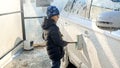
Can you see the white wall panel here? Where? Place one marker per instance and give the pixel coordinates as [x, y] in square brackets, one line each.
[10, 32]
[7, 6]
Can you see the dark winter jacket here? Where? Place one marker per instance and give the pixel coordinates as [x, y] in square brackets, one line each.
[54, 40]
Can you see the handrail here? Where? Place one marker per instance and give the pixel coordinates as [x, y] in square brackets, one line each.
[12, 49]
[34, 17]
[10, 13]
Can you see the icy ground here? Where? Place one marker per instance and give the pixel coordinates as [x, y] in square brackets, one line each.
[36, 58]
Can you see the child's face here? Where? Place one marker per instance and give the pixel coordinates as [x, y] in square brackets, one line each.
[56, 17]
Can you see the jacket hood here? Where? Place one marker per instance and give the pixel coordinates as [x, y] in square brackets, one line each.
[48, 23]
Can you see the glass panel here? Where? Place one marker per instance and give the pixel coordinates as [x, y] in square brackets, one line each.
[33, 29]
[31, 10]
[43, 3]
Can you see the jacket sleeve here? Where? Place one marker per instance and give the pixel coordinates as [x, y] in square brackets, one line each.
[57, 38]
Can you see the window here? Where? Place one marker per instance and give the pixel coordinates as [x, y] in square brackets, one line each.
[24, 1]
[32, 1]
[68, 7]
[116, 0]
[78, 7]
[99, 6]
[43, 3]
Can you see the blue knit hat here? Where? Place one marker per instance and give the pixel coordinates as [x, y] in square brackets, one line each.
[52, 11]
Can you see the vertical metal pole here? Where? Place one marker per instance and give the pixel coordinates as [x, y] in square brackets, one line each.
[22, 18]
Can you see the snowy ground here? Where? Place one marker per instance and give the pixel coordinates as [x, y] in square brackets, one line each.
[36, 58]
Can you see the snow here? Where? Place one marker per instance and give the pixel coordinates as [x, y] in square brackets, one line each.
[36, 58]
